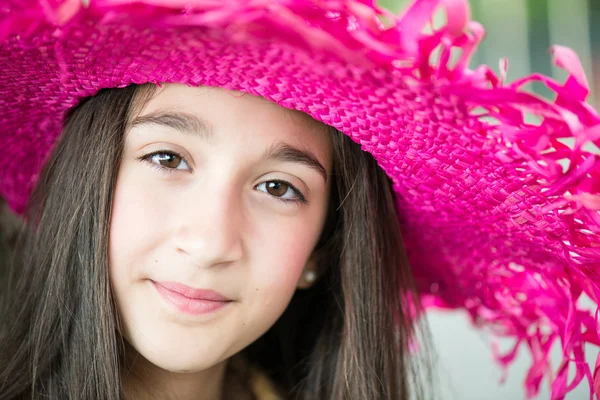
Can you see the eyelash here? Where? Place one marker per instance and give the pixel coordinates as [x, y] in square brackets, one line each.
[148, 158]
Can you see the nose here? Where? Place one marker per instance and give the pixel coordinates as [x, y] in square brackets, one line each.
[208, 232]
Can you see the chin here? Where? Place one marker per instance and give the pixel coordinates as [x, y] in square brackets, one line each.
[176, 355]
[181, 364]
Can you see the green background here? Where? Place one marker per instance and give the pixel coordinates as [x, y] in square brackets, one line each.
[524, 30]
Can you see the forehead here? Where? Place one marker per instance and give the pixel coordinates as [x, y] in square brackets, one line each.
[234, 113]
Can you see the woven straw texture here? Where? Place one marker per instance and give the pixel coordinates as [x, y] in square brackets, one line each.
[492, 222]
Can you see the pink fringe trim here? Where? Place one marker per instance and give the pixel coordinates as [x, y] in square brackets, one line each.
[363, 34]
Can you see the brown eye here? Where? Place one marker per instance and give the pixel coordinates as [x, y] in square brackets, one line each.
[282, 190]
[277, 189]
[167, 161]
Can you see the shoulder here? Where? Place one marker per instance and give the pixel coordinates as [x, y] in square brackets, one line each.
[262, 387]
[257, 383]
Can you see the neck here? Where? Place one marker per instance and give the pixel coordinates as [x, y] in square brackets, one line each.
[146, 381]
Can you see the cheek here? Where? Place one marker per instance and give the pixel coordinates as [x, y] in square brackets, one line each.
[136, 212]
[281, 257]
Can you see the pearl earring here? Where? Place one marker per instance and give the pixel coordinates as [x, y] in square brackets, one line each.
[310, 276]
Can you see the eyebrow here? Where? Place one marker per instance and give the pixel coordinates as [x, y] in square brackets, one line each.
[189, 123]
[182, 122]
[284, 152]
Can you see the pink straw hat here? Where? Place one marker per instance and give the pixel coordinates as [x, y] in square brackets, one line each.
[493, 222]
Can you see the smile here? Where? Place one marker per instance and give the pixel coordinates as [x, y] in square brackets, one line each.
[191, 301]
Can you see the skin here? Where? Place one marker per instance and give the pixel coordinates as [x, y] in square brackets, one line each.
[210, 222]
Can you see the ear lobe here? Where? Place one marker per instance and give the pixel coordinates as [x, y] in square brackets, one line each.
[310, 273]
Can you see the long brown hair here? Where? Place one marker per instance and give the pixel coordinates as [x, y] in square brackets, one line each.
[347, 337]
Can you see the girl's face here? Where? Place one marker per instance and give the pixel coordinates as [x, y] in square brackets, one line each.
[220, 201]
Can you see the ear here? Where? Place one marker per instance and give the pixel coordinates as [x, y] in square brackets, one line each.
[310, 273]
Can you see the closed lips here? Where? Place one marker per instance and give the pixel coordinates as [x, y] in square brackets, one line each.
[192, 293]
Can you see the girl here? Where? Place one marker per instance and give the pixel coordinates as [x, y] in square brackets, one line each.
[228, 189]
[220, 205]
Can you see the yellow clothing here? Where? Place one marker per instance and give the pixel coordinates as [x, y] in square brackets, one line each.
[259, 384]
[262, 387]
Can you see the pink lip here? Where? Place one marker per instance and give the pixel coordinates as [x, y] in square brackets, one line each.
[189, 300]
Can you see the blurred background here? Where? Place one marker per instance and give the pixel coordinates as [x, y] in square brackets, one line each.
[522, 31]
